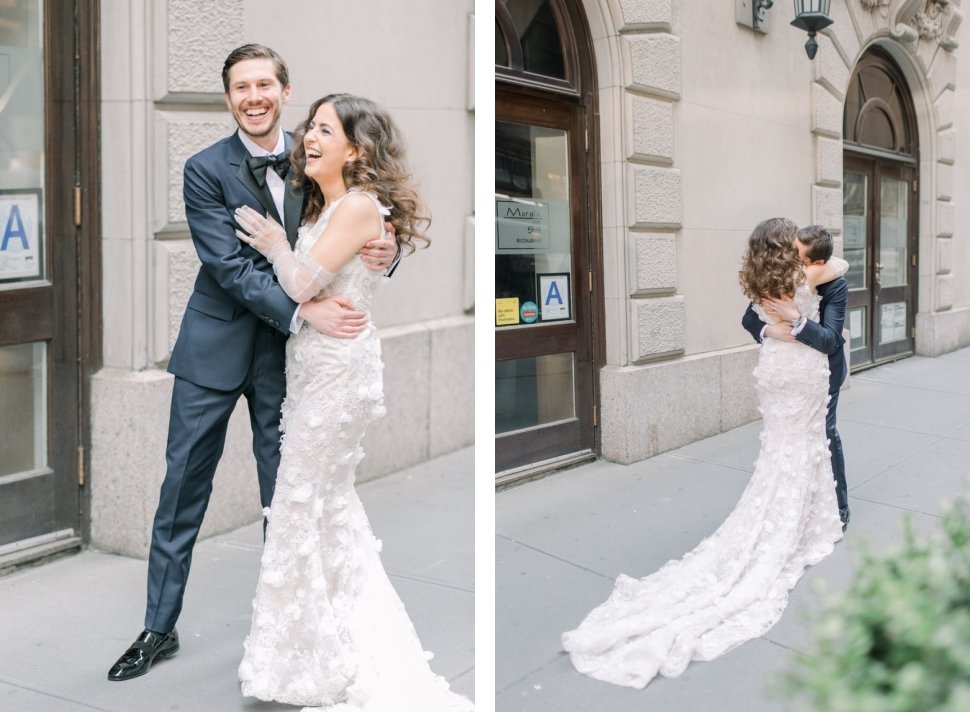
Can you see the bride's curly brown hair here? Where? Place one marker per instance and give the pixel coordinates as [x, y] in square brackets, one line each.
[771, 267]
[380, 166]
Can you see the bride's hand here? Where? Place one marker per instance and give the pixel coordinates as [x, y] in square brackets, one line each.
[260, 233]
[783, 308]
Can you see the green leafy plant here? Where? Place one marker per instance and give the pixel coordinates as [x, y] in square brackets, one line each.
[899, 639]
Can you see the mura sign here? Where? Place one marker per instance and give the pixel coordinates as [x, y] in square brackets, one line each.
[522, 225]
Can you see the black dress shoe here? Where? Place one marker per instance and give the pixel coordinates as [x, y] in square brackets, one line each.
[138, 659]
[844, 515]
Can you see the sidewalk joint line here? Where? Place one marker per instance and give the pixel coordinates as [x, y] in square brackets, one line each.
[553, 661]
[72, 700]
[557, 558]
[431, 582]
[896, 506]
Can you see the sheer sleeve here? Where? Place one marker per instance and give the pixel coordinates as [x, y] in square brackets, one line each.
[840, 265]
[300, 276]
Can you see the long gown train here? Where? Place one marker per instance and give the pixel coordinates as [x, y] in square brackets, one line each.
[734, 586]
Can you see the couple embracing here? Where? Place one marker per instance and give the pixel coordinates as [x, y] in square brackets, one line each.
[734, 585]
[294, 234]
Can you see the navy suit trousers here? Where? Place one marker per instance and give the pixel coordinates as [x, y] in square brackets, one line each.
[835, 448]
[196, 438]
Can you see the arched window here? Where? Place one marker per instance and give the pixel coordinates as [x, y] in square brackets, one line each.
[878, 111]
[533, 44]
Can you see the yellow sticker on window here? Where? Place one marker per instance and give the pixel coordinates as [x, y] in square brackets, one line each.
[506, 311]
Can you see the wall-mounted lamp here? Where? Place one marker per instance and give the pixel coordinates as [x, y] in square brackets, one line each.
[812, 16]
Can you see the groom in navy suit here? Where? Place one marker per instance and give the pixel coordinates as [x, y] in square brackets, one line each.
[814, 244]
[233, 336]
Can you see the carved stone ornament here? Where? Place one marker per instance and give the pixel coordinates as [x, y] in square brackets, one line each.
[929, 22]
[873, 4]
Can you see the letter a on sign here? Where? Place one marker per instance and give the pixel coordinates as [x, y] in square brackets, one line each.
[554, 296]
[20, 235]
[14, 229]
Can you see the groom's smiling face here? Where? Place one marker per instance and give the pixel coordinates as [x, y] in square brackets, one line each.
[256, 97]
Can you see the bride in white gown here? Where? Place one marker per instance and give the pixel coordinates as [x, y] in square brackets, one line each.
[328, 628]
[734, 586]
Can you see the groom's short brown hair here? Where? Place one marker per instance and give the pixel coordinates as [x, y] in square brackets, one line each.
[255, 51]
[818, 242]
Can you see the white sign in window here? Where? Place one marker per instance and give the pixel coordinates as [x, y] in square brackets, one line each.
[892, 322]
[522, 224]
[20, 235]
[554, 297]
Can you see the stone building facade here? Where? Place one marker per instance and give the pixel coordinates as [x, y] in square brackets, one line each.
[699, 126]
[162, 101]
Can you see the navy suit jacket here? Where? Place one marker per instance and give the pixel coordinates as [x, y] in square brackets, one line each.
[235, 288]
[825, 335]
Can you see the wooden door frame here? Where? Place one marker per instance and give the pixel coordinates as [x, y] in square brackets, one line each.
[66, 312]
[90, 338]
[545, 442]
[578, 90]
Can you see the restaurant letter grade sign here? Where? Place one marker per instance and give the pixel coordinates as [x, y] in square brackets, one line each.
[20, 238]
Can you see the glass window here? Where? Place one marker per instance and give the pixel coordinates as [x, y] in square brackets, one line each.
[892, 322]
[854, 207]
[23, 408]
[21, 141]
[875, 113]
[533, 391]
[893, 221]
[501, 51]
[538, 36]
[856, 320]
[533, 280]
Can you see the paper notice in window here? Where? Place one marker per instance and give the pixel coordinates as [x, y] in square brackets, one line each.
[506, 311]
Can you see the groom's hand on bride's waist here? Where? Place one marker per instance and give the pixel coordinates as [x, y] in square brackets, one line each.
[380, 253]
[334, 316]
[780, 331]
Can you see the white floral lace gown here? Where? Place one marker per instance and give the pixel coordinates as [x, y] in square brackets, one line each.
[734, 586]
[328, 629]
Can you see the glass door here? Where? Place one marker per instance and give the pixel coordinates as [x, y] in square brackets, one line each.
[894, 268]
[39, 359]
[543, 369]
[879, 240]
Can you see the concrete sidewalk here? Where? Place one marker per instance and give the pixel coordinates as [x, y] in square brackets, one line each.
[562, 540]
[63, 624]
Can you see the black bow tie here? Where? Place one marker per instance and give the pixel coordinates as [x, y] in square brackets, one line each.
[259, 164]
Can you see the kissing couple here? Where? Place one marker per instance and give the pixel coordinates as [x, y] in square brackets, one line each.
[734, 585]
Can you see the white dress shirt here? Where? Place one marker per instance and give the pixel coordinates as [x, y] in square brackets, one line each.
[277, 189]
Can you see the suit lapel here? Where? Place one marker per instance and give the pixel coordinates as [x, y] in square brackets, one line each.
[238, 154]
[292, 199]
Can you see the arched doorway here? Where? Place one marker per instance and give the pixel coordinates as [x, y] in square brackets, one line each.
[547, 254]
[880, 220]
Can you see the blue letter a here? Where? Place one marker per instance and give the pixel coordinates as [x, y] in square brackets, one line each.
[12, 230]
[553, 292]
